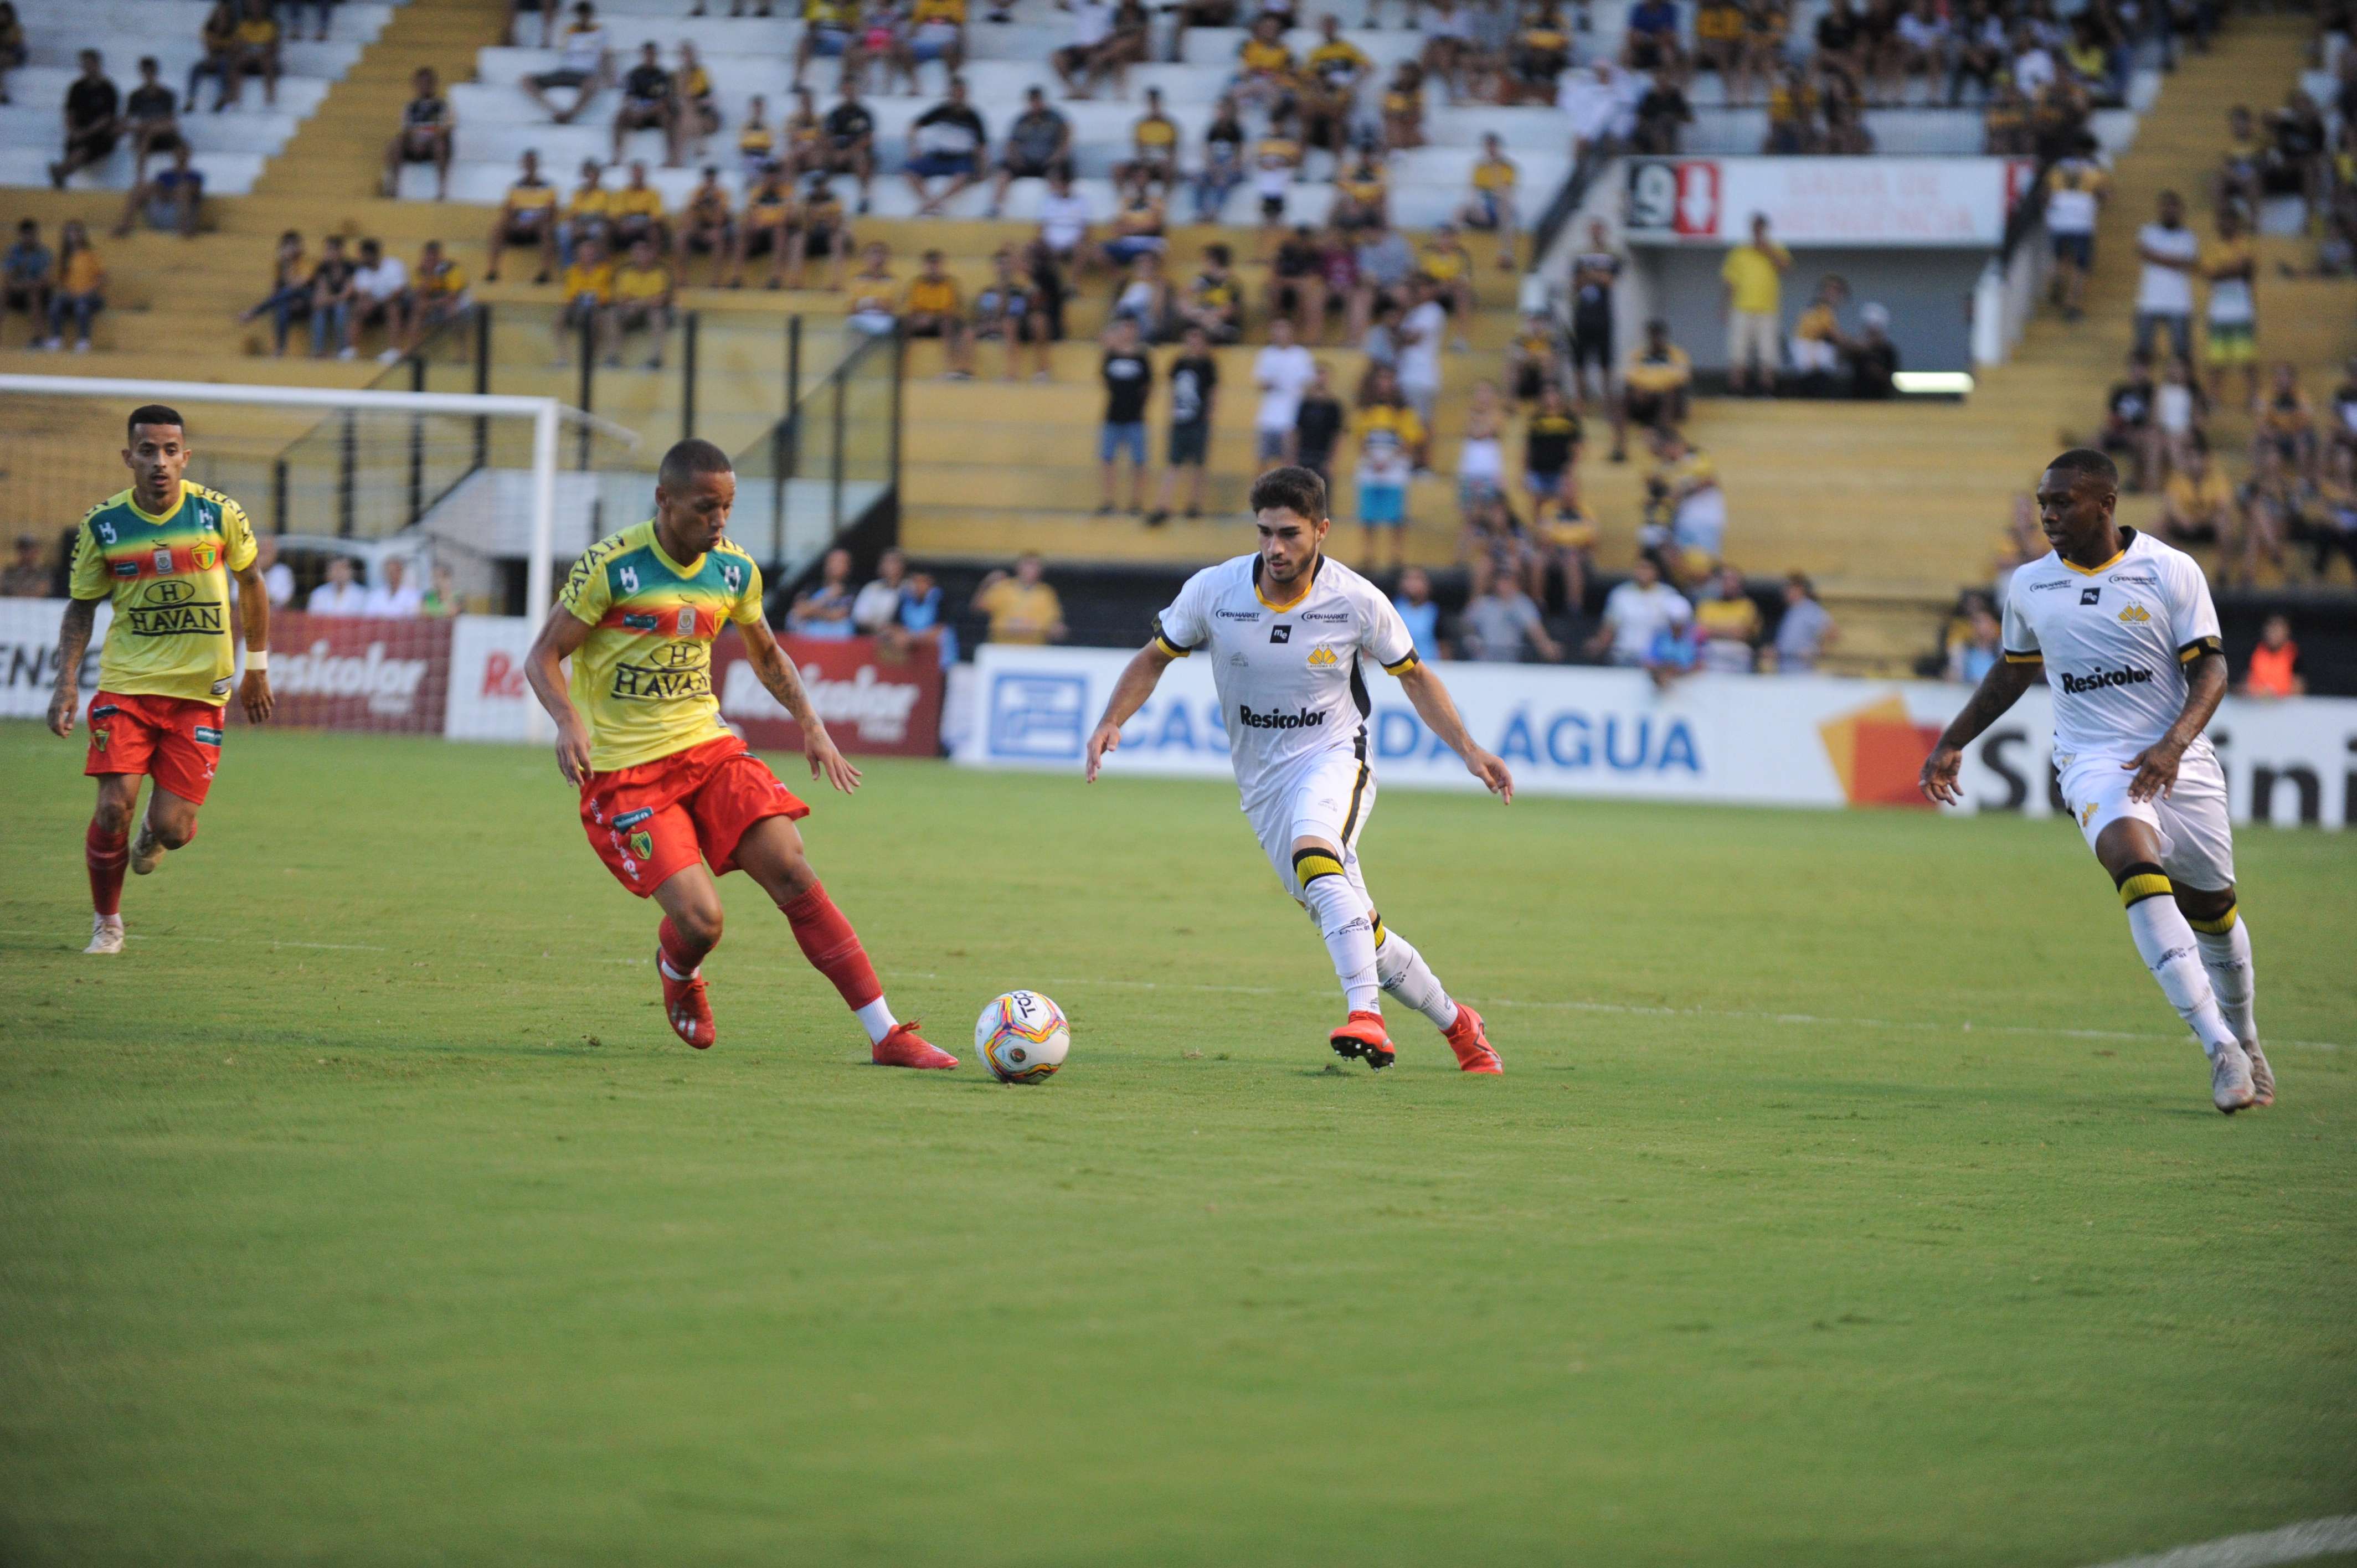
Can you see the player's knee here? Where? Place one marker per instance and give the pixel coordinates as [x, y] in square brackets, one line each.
[2208, 909]
[1313, 858]
[173, 832]
[111, 816]
[700, 923]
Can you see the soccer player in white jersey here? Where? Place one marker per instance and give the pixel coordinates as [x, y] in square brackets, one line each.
[2123, 629]
[1287, 632]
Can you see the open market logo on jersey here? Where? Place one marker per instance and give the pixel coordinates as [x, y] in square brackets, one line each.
[1877, 752]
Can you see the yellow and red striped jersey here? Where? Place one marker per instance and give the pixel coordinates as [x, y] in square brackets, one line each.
[169, 577]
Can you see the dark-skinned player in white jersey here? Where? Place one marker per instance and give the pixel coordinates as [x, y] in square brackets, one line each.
[2122, 628]
[1287, 630]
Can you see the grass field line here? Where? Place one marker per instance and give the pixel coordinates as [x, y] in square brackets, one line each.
[186, 937]
[2293, 1543]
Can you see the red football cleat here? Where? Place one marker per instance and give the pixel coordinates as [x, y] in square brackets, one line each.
[904, 1047]
[1471, 1044]
[687, 1006]
[1363, 1036]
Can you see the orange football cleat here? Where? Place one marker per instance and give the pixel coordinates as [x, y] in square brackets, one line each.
[687, 1006]
[904, 1047]
[1362, 1036]
[1471, 1043]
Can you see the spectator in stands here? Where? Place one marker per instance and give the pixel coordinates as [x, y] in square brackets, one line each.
[1184, 15]
[1076, 63]
[2274, 669]
[1402, 106]
[1143, 299]
[425, 137]
[1127, 371]
[2130, 430]
[1194, 385]
[380, 297]
[1224, 161]
[1979, 650]
[2230, 328]
[1266, 70]
[1039, 146]
[1791, 115]
[1007, 310]
[82, 288]
[218, 40]
[1697, 506]
[1501, 625]
[1657, 379]
[1319, 421]
[1817, 338]
[2344, 396]
[278, 578]
[933, 307]
[2197, 504]
[757, 142]
[694, 107]
[1727, 625]
[1393, 435]
[28, 274]
[28, 576]
[392, 596]
[1331, 76]
[644, 294]
[1422, 331]
[253, 52]
[1153, 147]
[339, 594]
[1275, 165]
[771, 227]
[1551, 440]
[2075, 189]
[1662, 113]
[586, 290]
[2275, 501]
[823, 610]
[2295, 162]
[647, 103]
[933, 30]
[1064, 223]
[149, 118]
[805, 134]
[437, 293]
[441, 600]
[1127, 45]
[1596, 103]
[1492, 545]
[876, 608]
[583, 66]
[93, 122]
[706, 226]
[1417, 611]
[949, 142]
[2171, 253]
[1481, 451]
[2177, 408]
[289, 299]
[1136, 229]
[826, 234]
[546, 11]
[1635, 612]
[1023, 609]
[1281, 370]
[1214, 301]
[1448, 267]
[830, 30]
[2332, 519]
[527, 217]
[2286, 423]
[168, 199]
[1361, 193]
[1491, 207]
[1872, 356]
[1534, 356]
[1753, 277]
[875, 293]
[1804, 630]
[634, 214]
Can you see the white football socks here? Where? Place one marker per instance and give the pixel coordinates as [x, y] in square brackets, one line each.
[2227, 956]
[2166, 943]
[1401, 969]
[1349, 927]
[878, 1020]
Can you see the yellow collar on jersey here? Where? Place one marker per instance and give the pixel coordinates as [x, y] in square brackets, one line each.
[130, 499]
[2127, 537]
[1295, 601]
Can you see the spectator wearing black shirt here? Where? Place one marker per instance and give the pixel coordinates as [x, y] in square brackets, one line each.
[1662, 111]
[1841, 44]
[646, 103]
[149, 115]
[2129, 427]
[851, 141]
[28, 275]
[424, 136]
[1224, 162]
[1873, 356]
[332, 297]
[1039, 144]
[2343, 431]
[1550, 447]
[1194, 379]
[1296, 283]
[1128, 373]
[1319, 421]
[91, 122]
[947, 141]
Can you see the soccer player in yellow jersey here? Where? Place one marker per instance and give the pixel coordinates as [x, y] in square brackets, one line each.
[163, 552]
[670, 797]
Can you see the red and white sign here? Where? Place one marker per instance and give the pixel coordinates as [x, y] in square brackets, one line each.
[344, 673]
[873, 703]
[1825, 201]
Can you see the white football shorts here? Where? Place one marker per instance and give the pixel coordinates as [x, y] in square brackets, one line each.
[1330, 797]
[2197, 837]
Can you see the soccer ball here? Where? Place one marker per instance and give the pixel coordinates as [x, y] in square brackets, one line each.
[1022, 1037]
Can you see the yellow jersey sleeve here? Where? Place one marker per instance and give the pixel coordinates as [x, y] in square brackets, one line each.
[238, 546]
[90, 579]
[587, 594]
[748, 609]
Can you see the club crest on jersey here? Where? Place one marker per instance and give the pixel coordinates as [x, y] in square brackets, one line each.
[1280, 634]
[205, 556]
[1319, 658]
[2136, 614]
[2089, 595]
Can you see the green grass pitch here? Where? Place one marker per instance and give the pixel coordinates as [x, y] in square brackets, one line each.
[1852, 1197]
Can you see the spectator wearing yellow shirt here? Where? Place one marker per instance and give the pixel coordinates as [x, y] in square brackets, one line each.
[527, 217]
[640, 294]
[1490, 209]
[1264, 76]
[438, 289]
[935, 30]
[770, 227]
[933, 307]
[635, 213]
[2231, 325]
[1022, 608]
[696, 113]
[1153, 147]
[1657, 379]
[589, 213]
[1817, 336]
[1727, 623]
[2197, 502]
[1754, 276]
[1331, 75]
[1449, 266]
[587, 287]
[707, 227]
[256, 53]
[82, 288]
[1361, 195]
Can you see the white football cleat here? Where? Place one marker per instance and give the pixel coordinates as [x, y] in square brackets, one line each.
[146, 854]
[105, 934]
[2262, 1076]
[2230, 1081]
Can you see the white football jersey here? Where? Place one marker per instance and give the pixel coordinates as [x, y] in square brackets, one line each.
[1289, 680]
[2115, 640]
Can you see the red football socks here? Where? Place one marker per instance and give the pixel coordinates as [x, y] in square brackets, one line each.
[106, 854]
[833, 947]
[678, 951]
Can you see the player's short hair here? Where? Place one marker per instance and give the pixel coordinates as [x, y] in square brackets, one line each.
[151, 414]
[2087, 460]
[1297, 490]
[689, 461]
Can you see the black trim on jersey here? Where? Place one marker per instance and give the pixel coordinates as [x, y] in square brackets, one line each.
[2032, 657]
[1169, 646]
[2200, 647]
[1358, 789]
[1358, 694]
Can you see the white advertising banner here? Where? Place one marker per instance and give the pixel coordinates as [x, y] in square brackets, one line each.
[1825, 201]
[487, 695]
[29, 649]
[1757, 740]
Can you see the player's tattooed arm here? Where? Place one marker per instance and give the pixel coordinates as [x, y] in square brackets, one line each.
[785, 683]
[1998, 691]
[2156, 765]
[1437, 709]
[1139, 679]
[73, 643]
[253, 610]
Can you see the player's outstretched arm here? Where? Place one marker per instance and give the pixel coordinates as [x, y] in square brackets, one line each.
[2156, 765]
[1138, 681]
[73, 642]
[253, 610]
[1439, 711]
[785, 683]
[2000, 690]
[560, 638]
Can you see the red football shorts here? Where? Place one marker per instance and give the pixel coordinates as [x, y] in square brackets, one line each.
[173, 740]
[649, 821]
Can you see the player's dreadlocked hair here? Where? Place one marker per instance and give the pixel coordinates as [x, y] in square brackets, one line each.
[689, 461]
[151, 414]
[1297, 490]
[2087, 460]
